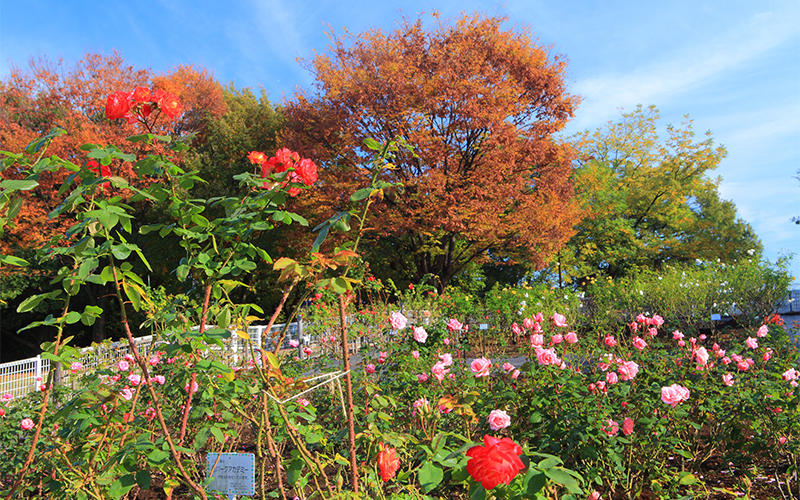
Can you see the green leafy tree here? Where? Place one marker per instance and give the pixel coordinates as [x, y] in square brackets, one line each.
[650, 200]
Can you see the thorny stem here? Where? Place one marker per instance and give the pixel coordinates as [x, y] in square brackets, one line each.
[277, 312]
[272, 449]
[156, 403]
[349, 385]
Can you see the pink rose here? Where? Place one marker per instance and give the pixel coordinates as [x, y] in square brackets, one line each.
[446, 341]
[370, 368]
[701, 355]
[537, 340]
[126, 394]
[782, 439]
[610, 341]
[677, 335]
[547, 356]
[611, 428]
[790, 374]
[454, 326]
[499, 419]
[423, 377]
[134, 379]
[556, 339]
[611, 378]
[594, 496]
[123, 366]
[194, 387]
[160, 379]
[674, 394]
[652, 332]
[727, 379]
[303, 402]
[641, 318]
[515, 328]
[571, 337]
[415, 354]
[639, 343]
[627, 426]
[538, 317]
[751, 342]
[762, 331]
[294, 343]
[398, 321]
[420, 335]
[446, 359]
[527, 323]
[508, 366]
[439, 371]
[558, 320]
[480, 367]
[657, 320]
[76, 367]
[26, 424]
[515, 374]
[420, 404]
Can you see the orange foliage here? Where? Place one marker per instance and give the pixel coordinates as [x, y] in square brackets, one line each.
[51, 94]
[480, 105]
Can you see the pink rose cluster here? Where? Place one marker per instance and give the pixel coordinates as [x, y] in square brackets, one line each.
[674, 394]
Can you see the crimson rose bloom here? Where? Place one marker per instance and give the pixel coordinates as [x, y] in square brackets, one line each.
[168, 103]
[117, 105]
[307, 171]
[388, 463]
[497, 461]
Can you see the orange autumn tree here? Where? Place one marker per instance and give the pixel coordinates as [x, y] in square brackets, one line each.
[480, 104]
[48, 95]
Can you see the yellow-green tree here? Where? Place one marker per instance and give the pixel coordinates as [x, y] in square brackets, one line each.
[650, 199]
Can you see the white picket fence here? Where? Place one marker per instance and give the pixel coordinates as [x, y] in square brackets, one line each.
[24, 376]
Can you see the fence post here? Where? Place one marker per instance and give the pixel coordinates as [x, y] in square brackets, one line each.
[37, 372]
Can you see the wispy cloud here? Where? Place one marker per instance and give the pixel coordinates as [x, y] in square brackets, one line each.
[677, 73]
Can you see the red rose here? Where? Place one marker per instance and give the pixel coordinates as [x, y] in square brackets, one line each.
[117, 105]
[168, 103]
[140, 95]
[307, 171]
[497, 461]
[257, 157]
[104, 171]
[388, 463]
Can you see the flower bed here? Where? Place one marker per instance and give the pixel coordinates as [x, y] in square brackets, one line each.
[612, 400]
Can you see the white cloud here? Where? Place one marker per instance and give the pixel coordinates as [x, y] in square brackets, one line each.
[675, 74]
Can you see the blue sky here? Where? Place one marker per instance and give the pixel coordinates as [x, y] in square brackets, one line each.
[733, 66]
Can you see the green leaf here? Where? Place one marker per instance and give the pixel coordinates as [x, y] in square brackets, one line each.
[430, 476]
[122, 486]
[218, 435]
[273, 361]
[373, 144]
[564, 478]
[72, 317]
[479, 493]
[361, 194]
[18, 184]
[13, 260]
[143, 479]
[295, 470]
[30, 303]
[534, 482]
